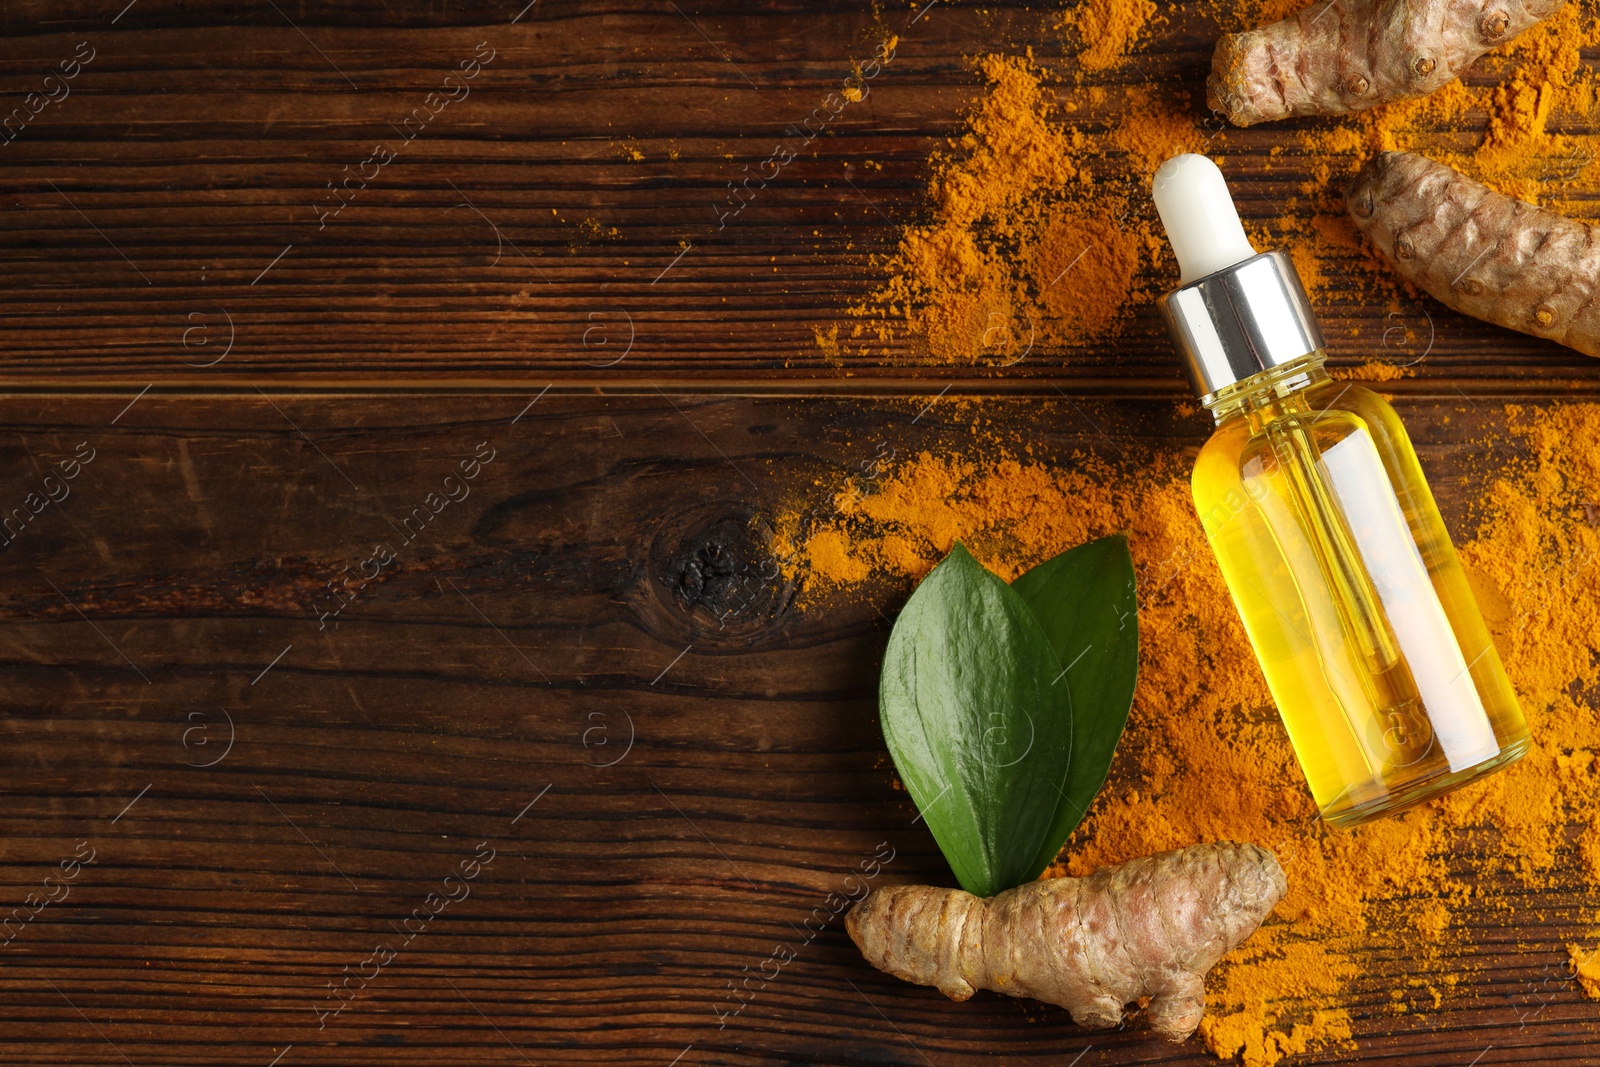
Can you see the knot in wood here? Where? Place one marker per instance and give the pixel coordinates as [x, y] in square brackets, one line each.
[722, 584]
[709, 564]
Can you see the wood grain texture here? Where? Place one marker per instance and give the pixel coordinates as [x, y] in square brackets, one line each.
[559, 221]
[586, 664]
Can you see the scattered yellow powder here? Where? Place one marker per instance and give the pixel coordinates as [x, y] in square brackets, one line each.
[1511, 134]
[828, 342]
[829, 552]
[970, 283]
[1586, 964]
[1045, 150]
[1108, 28]
[1073, 246]
[1373, 370]
[1431, 919]
[1205, 756]
[1152, 126]
[1040, 234]
[1521, 152]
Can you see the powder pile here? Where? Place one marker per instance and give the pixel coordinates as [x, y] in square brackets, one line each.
[1033, 242]
[1585, 964]
[1012, 257]
[1205, 756]
[1038, 231]
[1109, 28]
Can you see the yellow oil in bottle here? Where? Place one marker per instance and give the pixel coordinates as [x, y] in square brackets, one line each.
[1349, 588]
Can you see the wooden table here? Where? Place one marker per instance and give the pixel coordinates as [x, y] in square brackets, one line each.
[554, 774]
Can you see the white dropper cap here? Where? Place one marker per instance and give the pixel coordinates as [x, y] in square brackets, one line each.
[1198, 214]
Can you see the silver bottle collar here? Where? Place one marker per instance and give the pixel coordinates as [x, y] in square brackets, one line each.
[1240, 321]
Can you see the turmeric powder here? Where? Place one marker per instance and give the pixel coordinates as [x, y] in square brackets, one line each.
[975, 282]
[1585, 965]
[1202, 714]
[1110, 29]
[1038, 238]
[1007, 263]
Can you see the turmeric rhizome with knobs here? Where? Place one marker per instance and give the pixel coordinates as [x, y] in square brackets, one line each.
[1326, 532]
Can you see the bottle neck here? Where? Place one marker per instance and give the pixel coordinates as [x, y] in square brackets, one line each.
[1268, 387]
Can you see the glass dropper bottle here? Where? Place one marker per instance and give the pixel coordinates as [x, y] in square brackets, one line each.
[1327, 535]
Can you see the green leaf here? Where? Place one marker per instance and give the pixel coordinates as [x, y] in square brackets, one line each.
[1084, 600]
[980, 737]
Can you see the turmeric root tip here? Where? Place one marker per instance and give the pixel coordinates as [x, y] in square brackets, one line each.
[1340, 56]
[1479, 252]
[1151, 927]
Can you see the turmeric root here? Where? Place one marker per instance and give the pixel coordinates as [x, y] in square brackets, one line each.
[1151, 927]
[1479, 252]
[1339, 56]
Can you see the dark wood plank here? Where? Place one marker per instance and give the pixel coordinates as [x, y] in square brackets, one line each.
[148, 210]
[585, 665]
